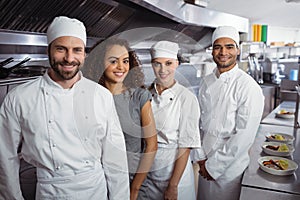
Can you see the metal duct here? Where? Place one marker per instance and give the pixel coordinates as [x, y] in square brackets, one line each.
[191, 14]
[100, 18]
[24, 22]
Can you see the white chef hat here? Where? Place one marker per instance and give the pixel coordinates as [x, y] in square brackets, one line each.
[228, 32]
[164, 49]
[64, 26]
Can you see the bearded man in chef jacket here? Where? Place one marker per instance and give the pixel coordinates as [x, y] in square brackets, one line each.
[66, 126]
[231, 104]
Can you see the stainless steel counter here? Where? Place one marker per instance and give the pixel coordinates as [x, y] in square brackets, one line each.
[257, 184]
[272, 119]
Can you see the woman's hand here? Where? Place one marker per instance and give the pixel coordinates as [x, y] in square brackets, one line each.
[134, 194]
[171, 193]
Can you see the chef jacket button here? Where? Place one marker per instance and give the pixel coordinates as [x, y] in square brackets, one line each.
[47, 93]
[53, 145]
[86, 162]
[57, 168]
[50, 121]
[171, 99]
[202, 112]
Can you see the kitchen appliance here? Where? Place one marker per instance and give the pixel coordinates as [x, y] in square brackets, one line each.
[279, 75]
[20, 69]
[254, 54]
[270, 70]
[5, 71]
[255, 69]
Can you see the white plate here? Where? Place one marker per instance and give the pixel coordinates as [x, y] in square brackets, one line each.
[287, 138]
[275, 152]
[285, 116]
[291, 169]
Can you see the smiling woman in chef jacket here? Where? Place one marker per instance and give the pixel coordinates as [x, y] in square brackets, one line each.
[176, 113]
[231, 104]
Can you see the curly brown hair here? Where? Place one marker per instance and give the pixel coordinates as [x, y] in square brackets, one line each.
[135, 77]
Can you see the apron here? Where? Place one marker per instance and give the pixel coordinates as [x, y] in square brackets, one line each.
[227, 186]
[161, 171]
[89, 185]
[216, 190]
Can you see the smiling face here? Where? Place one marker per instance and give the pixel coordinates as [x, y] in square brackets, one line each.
[66, 56]
[164, 70]
[116, 63]
[225, 53]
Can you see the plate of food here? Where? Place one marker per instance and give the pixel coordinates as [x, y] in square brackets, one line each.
[278, 148]
[280, 137]
[285, 114]
[277, 165]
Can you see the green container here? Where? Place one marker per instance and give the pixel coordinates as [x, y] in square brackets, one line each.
[264, 33]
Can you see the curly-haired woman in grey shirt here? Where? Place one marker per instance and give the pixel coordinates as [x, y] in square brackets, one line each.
[124, 78]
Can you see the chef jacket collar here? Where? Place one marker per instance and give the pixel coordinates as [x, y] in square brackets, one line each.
[172, 89]
[166, 97]
[225, 76]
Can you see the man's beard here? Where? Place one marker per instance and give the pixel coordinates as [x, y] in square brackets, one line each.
[226, 64]
[63, 74]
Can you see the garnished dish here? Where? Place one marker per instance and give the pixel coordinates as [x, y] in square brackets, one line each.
[285, 114]
[277, 148]
[277, 165]
[280, 137]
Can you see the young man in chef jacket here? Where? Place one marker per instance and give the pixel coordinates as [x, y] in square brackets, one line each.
[67, 127]
[231, 105]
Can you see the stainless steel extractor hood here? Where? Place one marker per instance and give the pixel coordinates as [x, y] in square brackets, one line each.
[191, 14]
[24, 22]
[32, 17]
[188, 19]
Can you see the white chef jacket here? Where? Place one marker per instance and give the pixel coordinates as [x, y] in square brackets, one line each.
[231, 106]
[176, 113]
[73, 133]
